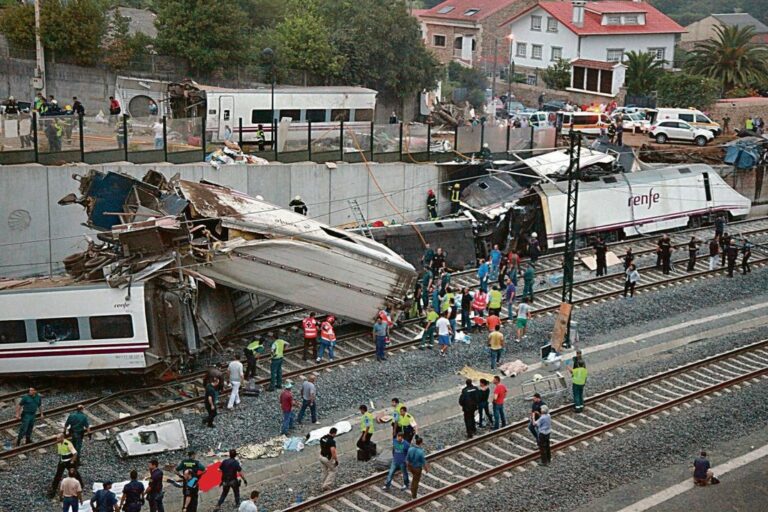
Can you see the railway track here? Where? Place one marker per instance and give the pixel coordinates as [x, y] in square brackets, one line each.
[125, 408]
[496, 454]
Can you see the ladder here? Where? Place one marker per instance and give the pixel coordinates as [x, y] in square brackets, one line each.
[357, 213]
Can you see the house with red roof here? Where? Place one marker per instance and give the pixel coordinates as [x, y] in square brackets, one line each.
[469, 31]
[594, 36]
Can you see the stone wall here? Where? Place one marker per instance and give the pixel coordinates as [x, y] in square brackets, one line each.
[739, 110]
[529, 95]
[37, 233]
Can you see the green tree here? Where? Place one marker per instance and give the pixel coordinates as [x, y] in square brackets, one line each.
[77, 40]
[304, 43]
[730, 57]
[643, 71]
[683, 90]
[472, 80]
[558, 75]
[209, 35]
[382, 46]
[118, 52]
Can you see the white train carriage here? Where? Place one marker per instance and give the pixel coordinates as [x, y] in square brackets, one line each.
[640, 203]
[324, 107]
[74, 328]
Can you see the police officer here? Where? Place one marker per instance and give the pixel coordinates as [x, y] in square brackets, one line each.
[665, 251]
[133, 492]
[104, 500]
[190, 491]
[78, 426]
[405, 423]
[732, 254]
[366, 425]
[190, 463]
[725, 242]
[250, 356]
[276, 366]
[468, 400]
[231, 472]
[67, 459]
[431, 204]
[298, 205]
[600, 251]
[26, 410]
[260, 138]
[455, 196]
[746, 253]
[154, 493]
[693, 248]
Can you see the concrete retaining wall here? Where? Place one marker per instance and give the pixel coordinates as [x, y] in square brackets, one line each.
[36, 233]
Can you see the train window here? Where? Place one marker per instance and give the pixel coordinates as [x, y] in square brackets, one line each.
[316, 115]
[609, 179]
[261, 117]
[337, 234]
[112, 326]
[684, 170]
[364, 114]
[13, 331]
[226, 115]
[483, 185]
[57, 329]
[295, 115]
[340, 114]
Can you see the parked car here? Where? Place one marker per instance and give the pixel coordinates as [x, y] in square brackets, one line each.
[679, 131]
[553, 106]
[634, 122]
[695, 118]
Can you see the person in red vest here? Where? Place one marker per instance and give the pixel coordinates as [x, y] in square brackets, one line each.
[310, 335]
[327, 338]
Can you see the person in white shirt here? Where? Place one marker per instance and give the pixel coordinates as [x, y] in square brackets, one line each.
[444, 332]
[250, 505]
[236, 374]
[523, 315]
[157, 128]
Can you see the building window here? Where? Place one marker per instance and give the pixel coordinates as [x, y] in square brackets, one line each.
[631, 19]
[522, 50]
[530, 79]
[438, 40]
[551, 24]
[458, 43]
[658, 53]
[557, 53]
[445, 10]
[615, 55]
[613, 19]
[536, 23]
[536, 51]
[471, 12]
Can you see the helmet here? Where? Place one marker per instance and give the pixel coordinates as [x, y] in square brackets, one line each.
[68, 108]
[11, 98]
[260, 198]
[534, 235]
[485, 145]
[430, 192]
[456, 185]
[297, 198]
[55, 102]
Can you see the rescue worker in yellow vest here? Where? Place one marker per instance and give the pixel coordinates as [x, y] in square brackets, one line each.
[494, 301]
[254, 347]
[260, 138]
[366, 424]
[579, 380]
[405, 423]
[276, 367]
[455, 196]
[67, 459]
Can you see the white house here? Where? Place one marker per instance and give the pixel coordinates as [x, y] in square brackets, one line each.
[594, 36]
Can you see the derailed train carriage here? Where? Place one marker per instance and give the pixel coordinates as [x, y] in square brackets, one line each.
[531, 197]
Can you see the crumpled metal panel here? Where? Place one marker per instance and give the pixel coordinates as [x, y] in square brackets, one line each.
[156, 438]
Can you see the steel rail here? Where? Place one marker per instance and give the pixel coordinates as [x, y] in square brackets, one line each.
[462, 446]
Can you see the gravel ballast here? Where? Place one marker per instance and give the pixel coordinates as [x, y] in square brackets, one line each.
[341, 390]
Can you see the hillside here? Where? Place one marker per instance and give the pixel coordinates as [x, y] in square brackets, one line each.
[686, 12]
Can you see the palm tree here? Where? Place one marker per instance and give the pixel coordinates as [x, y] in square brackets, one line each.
[643, 71]
[730, 57]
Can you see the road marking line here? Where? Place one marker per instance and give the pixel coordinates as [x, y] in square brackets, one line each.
[676, 490]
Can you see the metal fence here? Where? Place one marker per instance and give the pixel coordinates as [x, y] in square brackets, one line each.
[27, 138]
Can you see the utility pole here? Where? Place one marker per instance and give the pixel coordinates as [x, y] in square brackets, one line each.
[574, 174]
[38, 82]
[493, 75]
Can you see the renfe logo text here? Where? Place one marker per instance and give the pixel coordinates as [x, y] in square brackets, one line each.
[650, 198]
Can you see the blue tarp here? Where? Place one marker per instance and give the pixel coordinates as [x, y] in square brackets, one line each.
[745, 153]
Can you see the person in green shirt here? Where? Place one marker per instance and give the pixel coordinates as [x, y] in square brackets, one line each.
[26, 411]
[367, 422]
[528, 278]
[428, 338]
[78, 426]
[192, 464]
[578, 380]
[276, 367]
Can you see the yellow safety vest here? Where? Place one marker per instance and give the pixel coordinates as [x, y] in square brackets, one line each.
[366, 423]
[279, 347]
[455, 196]
[65, 450]
[255, 346]
[495, 299]
[579, 376]
[404, 420]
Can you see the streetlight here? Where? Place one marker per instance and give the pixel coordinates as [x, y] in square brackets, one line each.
[511, 68]
[268, 54]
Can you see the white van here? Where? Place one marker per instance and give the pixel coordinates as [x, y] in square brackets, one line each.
[693, 117]
[585, 122]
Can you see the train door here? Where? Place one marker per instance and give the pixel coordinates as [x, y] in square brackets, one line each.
[227, 125]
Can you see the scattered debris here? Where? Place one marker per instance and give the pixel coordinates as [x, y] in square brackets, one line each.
[268, 450]
[471, 373]
[513, 368]
[159, 437]
[231, 154]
